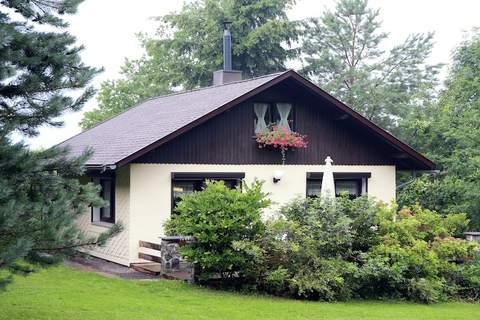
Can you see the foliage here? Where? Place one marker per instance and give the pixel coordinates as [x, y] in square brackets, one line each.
[226, 224]
[322, 250]
[282, 138]
[448, 194]
[36, 68]
[357, 248]
[465, 280]
[315, 246]
[449, 134]
[343, 227]
[65, 293]
[40, 201]
[188, 47]
[326, 279]
[415, 256]
[39, 195]
[342, 53]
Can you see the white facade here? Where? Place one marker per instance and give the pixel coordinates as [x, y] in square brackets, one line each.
[143, 198]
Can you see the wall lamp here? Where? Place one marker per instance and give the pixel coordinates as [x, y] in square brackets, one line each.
[277, 175]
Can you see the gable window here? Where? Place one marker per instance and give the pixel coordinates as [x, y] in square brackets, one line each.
[189, 182]
[107, 193]
[267, 114]
[353, 184]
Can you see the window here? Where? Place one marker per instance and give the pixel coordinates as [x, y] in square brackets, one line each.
[189, 182]
[314, 187]
[267, 114]
[182, 187]
[351, 187]
[107, 192]
[353, 184]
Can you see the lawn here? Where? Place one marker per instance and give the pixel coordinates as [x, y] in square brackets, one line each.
[66, 293]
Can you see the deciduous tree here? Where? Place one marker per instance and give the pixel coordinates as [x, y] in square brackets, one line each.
[449, 133]
[187, 47]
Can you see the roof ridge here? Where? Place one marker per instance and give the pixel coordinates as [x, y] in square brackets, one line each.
[169, 95]
[211, 87]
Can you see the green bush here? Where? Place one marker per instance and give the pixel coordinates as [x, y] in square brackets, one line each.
[326, 279]
[226, 224]
[465, 280]
[316, 244]
[415, 256]
[344, 228]
[357, 248]
[315, 249]
[443, 193]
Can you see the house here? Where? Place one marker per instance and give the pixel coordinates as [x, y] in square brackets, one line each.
[148, 156]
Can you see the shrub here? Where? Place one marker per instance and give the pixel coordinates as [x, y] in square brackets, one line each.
[426, 290]
[312, 247]
[465, 280]
[277, 280]
[326, 279]
[345, 228]
[443, 193]
[226, 224]
[357, 248]
[315, 249]
[415, 256]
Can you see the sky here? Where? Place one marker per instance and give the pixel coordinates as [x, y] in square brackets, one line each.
[108, 28]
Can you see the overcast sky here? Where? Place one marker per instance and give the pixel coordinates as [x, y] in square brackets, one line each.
[107, 28]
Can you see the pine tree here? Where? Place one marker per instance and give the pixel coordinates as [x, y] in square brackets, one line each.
[40, 193]
[342, 52]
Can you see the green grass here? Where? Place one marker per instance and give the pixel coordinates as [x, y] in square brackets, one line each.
[66, 293]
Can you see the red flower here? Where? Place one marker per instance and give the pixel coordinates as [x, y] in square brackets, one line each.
[281, 137]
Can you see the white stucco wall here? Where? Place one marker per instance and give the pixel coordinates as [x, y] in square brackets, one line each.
[150, 190]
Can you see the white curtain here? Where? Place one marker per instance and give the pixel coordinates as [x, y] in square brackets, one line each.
[284, 111]
[260, 111]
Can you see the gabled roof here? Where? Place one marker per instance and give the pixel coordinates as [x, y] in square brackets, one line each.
[146, 126]
[117, 138]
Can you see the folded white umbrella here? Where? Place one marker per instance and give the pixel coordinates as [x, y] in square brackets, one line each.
[328, 184]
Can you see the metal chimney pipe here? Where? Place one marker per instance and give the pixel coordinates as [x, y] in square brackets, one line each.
[227, 47]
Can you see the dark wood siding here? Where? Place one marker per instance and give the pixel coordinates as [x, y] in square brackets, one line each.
[228, 138]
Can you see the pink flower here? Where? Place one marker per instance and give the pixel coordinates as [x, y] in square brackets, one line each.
[281, 137]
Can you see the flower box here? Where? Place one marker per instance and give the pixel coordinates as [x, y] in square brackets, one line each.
[281, 138]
